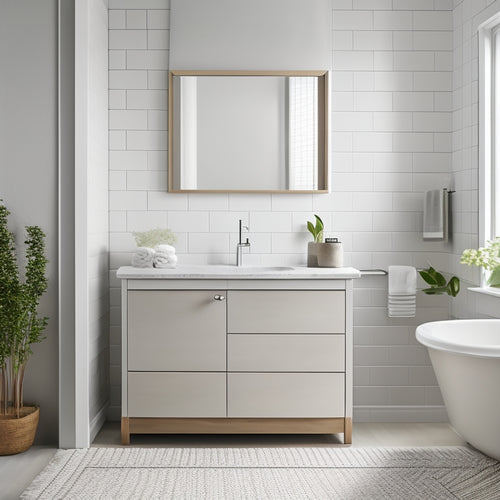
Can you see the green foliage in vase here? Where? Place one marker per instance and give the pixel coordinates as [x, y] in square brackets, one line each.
[488, 258]
[154, 237]
[316, 229]
[438, 284]
[20, 325]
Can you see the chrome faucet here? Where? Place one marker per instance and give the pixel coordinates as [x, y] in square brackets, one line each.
[241, 245]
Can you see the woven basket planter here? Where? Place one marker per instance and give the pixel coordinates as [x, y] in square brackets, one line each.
[18, 434]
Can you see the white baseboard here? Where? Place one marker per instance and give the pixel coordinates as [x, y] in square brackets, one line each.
[400, 414]
[98, 421]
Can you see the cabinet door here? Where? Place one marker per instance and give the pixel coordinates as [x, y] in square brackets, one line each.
[176, 330]
[285, 395]
[176, 394]
[286, 311]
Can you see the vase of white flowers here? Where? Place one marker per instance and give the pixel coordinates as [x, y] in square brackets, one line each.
[487, 257]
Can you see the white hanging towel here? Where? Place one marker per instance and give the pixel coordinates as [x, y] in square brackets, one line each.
[402, 280]
[436, 215]
[402, 292]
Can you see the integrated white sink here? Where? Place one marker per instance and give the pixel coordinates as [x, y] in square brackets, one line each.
[258, 269]
[229, 269]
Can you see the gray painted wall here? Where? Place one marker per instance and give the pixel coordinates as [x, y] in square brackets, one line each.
[28, 168]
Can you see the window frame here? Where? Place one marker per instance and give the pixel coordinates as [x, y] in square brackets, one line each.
[489, 124]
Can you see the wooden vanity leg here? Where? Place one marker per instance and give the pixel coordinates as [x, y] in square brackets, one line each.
[347, 430]
[125, 431]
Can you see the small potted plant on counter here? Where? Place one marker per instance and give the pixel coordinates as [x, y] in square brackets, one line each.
[323, 253]
[20, 328]
[313, 246]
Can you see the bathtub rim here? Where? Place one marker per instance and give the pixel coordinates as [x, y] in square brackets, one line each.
[427, 339]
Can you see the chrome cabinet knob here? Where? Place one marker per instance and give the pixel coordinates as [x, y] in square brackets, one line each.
[219, 297]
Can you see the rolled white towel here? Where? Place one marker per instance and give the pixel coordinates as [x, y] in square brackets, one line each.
[168, 249]
[143, 257]
[163, 260]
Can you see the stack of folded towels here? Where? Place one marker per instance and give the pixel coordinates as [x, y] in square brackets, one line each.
[402, 298]
[162, 256]
[143, 257]
[165, 257]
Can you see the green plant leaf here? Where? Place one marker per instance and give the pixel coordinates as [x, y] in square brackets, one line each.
[319, 229]
[440, 279]
[428, 277]
[319, 223]
[438, 290]
[432, 271]
[453, 286]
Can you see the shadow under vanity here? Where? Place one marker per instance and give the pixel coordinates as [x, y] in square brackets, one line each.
[236, 350]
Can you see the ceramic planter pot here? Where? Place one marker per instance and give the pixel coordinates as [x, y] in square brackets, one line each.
[312, 253]
[330, 254]
[18, 434]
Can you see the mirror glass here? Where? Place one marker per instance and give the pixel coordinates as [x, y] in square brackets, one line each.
[247, 131]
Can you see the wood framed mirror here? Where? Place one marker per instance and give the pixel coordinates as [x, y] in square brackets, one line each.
[248, 131]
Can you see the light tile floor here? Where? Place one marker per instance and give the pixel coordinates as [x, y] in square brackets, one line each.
[17, 471]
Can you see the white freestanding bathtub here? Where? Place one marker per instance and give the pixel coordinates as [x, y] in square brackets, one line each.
[465, 355]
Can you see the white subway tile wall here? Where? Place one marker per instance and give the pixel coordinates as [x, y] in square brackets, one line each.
[465, 139]
[391, 128]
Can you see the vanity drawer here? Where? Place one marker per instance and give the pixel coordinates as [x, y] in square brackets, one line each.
[176, 330]
[282, 395]
[286, 311]
[286, 353]
[176, 394]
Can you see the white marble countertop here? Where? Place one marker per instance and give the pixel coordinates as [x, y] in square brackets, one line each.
[234, 272]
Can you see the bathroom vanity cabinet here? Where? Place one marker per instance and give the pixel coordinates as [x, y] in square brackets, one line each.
[203, 352]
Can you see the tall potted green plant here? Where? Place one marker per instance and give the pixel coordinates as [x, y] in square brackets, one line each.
[316, 229]
[20, 328]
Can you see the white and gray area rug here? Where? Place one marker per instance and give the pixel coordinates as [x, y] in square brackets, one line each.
[269, 473]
